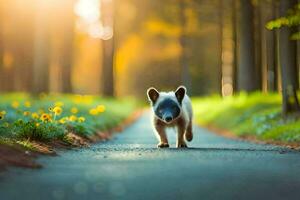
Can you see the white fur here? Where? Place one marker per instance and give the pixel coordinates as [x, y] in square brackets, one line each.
[186, 114]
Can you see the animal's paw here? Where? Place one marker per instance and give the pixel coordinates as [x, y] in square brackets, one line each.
[183, 145]
[163, 145]
[189, 136]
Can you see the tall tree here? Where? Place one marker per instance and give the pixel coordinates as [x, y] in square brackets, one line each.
[107, 79]
[288, 63]
[259, 57]
[269, 45]
[185, 74]
[6, 69]
[41, 49]
[22, 47]
[67, 36]
[221, 37]
[275, 4]
[247, 80]
[235, 46]
[298, 47]
[261, 7]
[268, 13]
[1, 47]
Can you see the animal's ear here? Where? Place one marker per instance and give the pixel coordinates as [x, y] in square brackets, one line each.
[179, 93]
[152, 94]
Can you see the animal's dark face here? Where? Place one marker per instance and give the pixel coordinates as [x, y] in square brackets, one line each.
[167, 110]
[166, 106]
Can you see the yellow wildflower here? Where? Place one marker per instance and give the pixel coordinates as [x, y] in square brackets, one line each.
[45, 117]
[15, 104]
[26, 113]
[87, 99]
[37, 124]
[77, 99]
[6, 124]
[59, 104]
[72, 118]
[34, 115]
[27, 104]
[57, 110]
[81, 119]
[93, 111]
[100, 108]
[1, 116]
[62, 120]
[50, 109]
[74, 110]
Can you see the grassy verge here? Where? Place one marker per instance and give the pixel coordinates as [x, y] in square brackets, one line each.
[256, 114]
[49, 118]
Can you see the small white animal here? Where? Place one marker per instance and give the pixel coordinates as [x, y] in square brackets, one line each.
[171, 109]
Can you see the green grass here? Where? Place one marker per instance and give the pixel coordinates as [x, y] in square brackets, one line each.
[254, 114]
[83, 115]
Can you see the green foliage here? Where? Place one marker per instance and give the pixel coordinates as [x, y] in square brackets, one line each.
[291, 19]
[255, 114]
[51, 117]
[44, 132]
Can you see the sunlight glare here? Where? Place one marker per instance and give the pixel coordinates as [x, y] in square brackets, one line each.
[90, 21]
[88, 10]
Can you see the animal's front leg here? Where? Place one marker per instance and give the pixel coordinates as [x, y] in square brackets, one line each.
[163, 140]
[180, 140]
[189, 132]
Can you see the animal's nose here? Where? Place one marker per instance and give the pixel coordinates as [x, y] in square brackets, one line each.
[168, 118]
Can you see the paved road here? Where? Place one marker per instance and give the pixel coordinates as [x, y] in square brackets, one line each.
[130, 167]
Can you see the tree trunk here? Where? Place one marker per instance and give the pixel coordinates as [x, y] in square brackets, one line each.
[287, 55]
[268, 51]
[41, 49]
[66, 57]
[23, 46]
[298, 55]
[107, 80]
[235, 46]
[2, 77]
[276, 48]
[183, 61]
[247, 81]
[268, 11]
[260, 65]
[220, 71]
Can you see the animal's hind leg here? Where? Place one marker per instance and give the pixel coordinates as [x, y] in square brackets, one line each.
[189, 132]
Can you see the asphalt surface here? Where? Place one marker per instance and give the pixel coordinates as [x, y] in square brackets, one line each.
[130, 167]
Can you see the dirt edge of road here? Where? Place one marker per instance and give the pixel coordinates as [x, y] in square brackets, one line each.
[18, 156]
